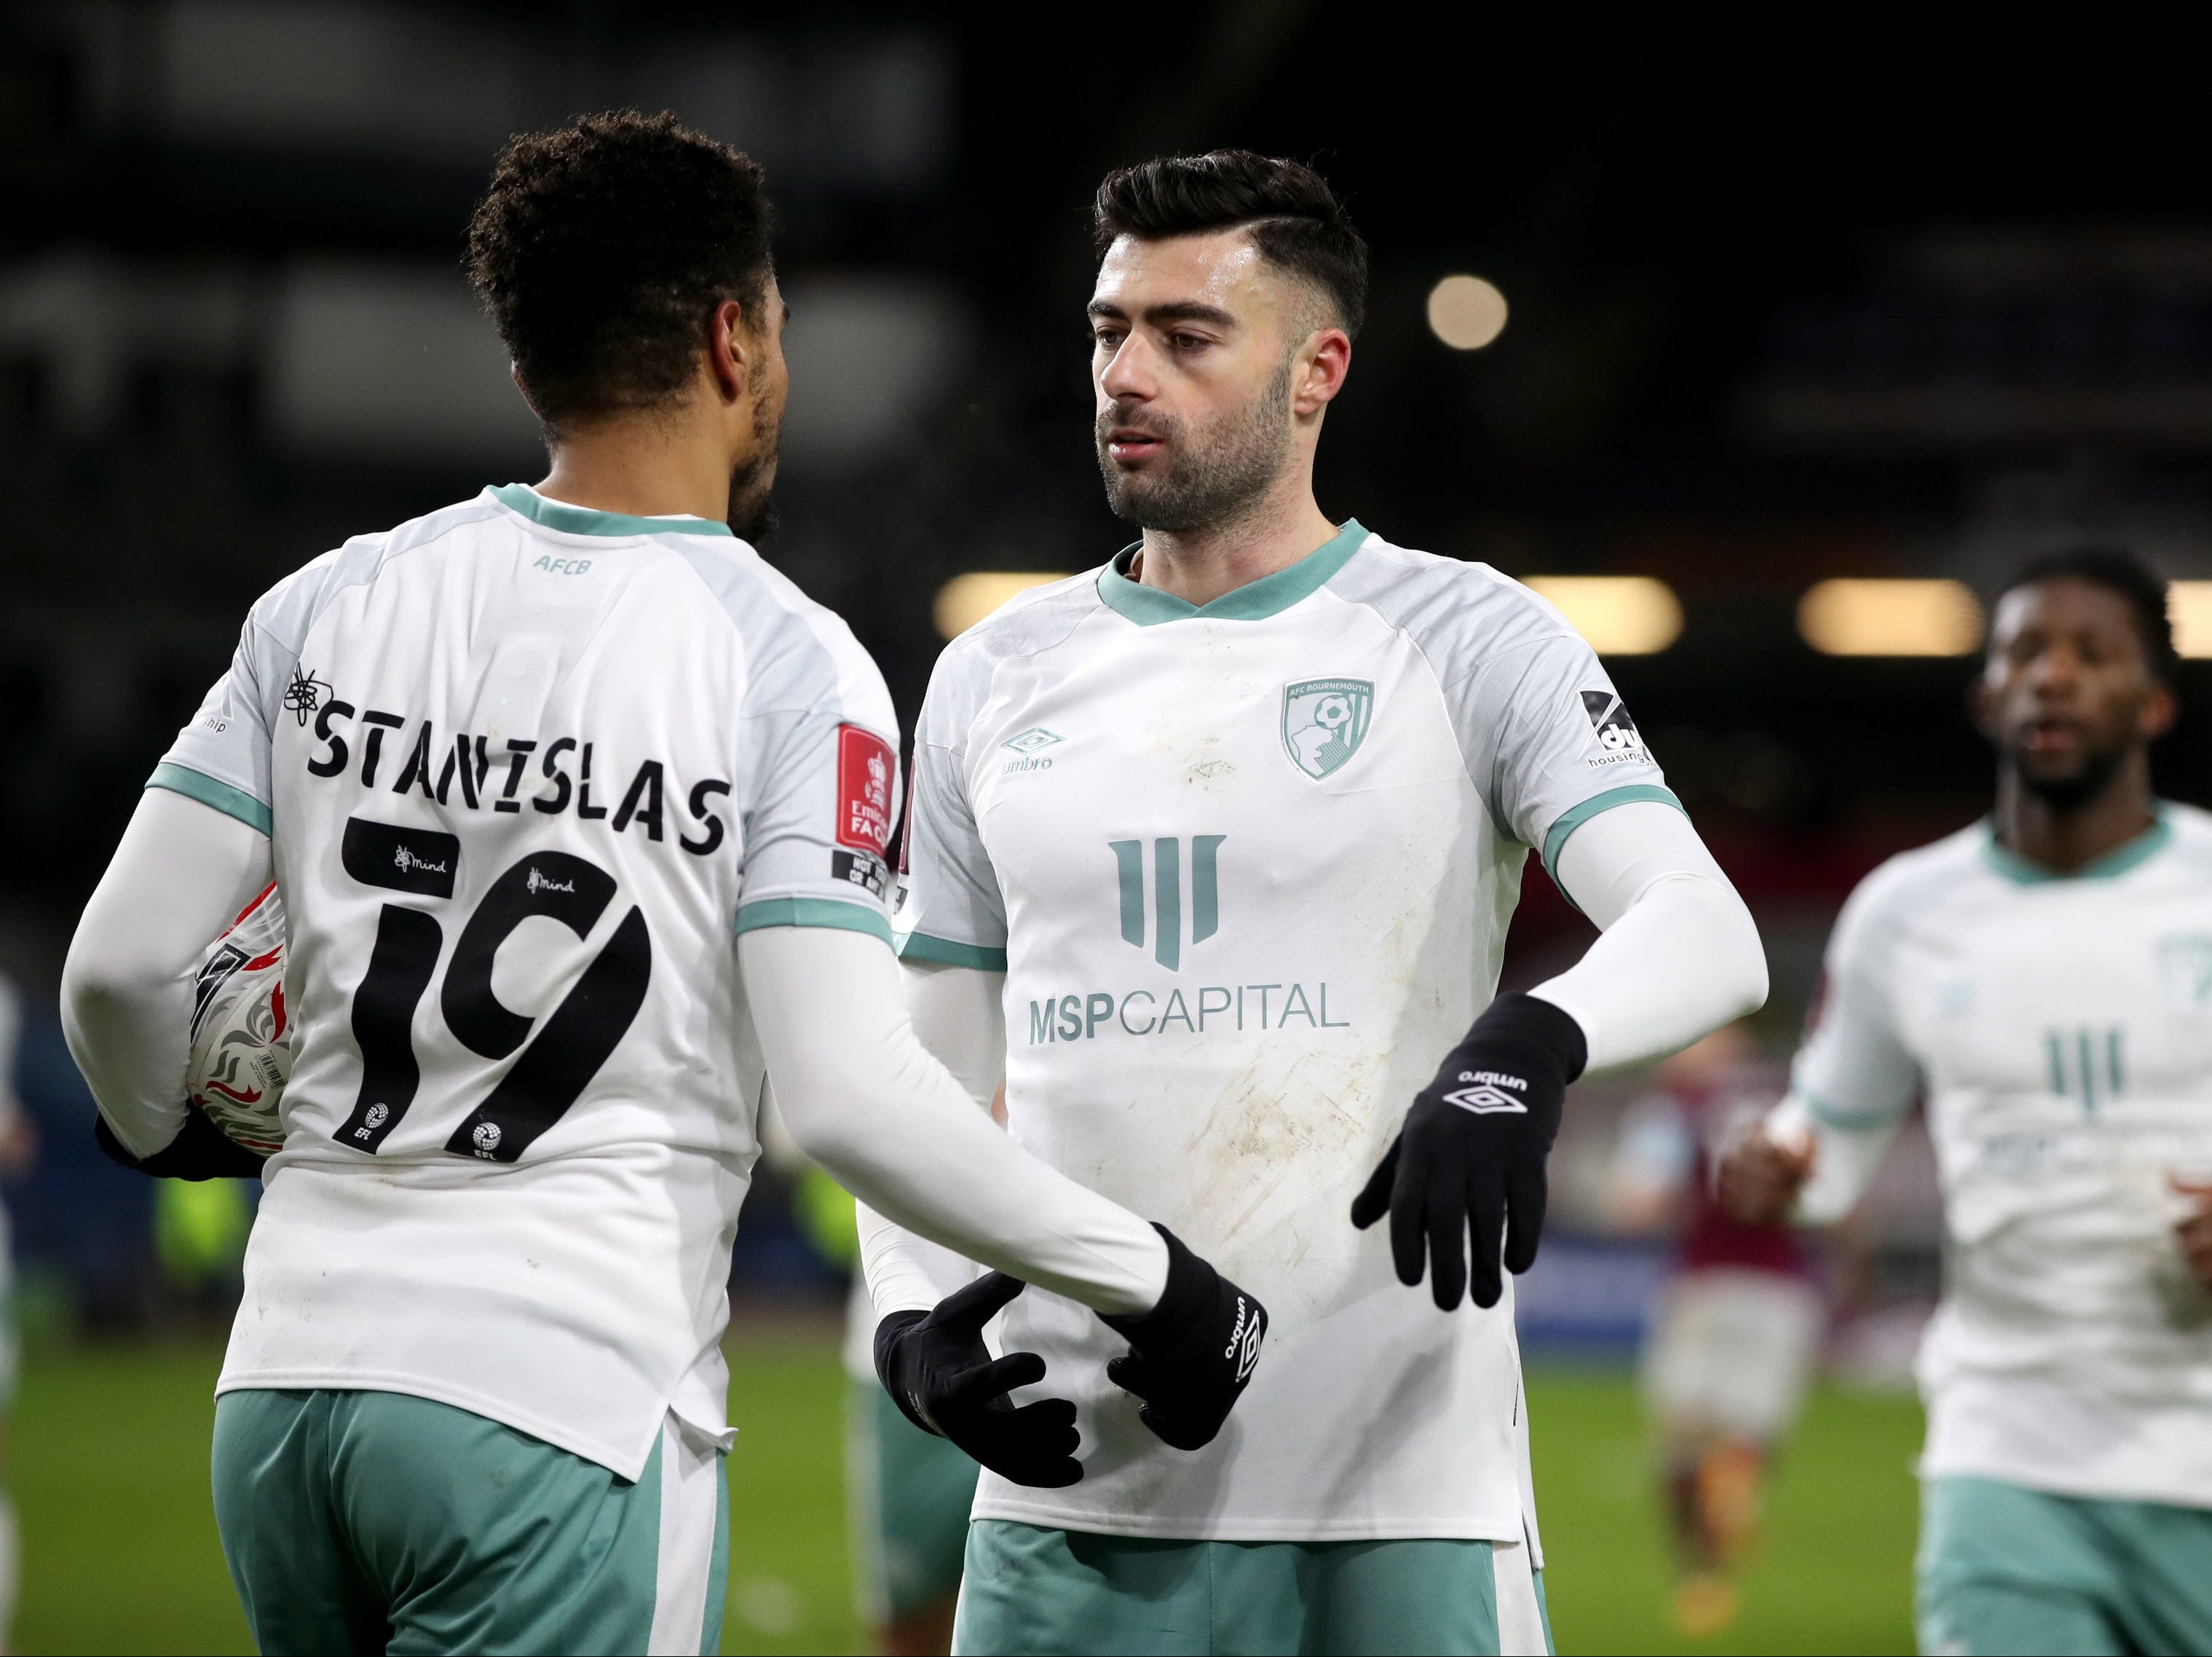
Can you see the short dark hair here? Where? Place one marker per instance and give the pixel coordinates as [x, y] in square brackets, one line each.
[2120, 572]
[1293, 217]
[602, 247]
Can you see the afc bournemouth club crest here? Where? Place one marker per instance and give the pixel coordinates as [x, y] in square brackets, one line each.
[1324, 722]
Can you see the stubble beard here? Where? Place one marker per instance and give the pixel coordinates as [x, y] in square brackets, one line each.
[1210, 479]
[752, 516]
[2069, 791]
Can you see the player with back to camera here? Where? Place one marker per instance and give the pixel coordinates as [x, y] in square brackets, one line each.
[1212, 852]
[577, 810]
[2045, 975]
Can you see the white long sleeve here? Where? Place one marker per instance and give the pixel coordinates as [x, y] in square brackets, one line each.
[865, 1100]
[1844, 1158]
[1678, 954]
[181, 874]
[960, 1019]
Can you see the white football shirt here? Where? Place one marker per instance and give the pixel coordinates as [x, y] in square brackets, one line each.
[526, 769]
[2063, 1029]
[1248, 869]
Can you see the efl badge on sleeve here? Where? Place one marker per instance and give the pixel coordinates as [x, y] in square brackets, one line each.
[1324, 722]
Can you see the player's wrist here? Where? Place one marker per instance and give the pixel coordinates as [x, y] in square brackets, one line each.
[201, 1151]
[1544, 1035]
[890, 1347]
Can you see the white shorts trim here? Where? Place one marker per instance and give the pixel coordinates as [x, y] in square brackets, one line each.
[691, 1490]
[1520, 1619]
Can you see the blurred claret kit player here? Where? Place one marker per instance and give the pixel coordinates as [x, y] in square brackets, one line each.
[1252, 906]
[2045, 977]
[1735, 1337]
[578, 813]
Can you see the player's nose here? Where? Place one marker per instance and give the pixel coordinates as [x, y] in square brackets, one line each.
[1129, 375]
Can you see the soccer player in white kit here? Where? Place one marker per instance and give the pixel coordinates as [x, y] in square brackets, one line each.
[2045, 977]
[578, 812]
[1212, 852]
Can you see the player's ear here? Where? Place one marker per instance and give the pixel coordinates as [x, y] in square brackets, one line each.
[1323, 362]
[728, 350]
[1981, 704]
[2159, 710]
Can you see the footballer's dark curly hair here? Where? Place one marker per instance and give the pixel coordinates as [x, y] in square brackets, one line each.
[602, 248]
[1291, 215]
[2119, 572]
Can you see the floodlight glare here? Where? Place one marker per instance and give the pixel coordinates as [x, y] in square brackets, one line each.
[1466, 312]
[1616, 615]
[967, 599]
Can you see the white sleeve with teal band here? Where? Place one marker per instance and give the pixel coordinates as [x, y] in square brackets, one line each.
[221, 758]
[951, 911]
[1853, 1080]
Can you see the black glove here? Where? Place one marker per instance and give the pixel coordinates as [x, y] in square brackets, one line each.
[1191, 1356]
[938, 1372]
[201, 1151]
[1472, 1149]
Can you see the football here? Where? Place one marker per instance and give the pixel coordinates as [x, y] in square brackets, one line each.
[241, 1043]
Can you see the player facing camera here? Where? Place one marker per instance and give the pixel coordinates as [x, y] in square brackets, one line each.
[1247, 930]
[2041, 977]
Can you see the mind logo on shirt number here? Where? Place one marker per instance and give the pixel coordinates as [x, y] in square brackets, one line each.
[1324, 722]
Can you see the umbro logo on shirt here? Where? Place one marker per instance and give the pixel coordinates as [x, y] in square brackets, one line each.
[1027, 744]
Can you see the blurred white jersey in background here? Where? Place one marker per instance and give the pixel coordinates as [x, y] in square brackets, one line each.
[2062, 1028]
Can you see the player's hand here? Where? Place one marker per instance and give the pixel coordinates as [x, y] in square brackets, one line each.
[938, 1372]
[1472, 1152]
[1759, 1177]
[1191, 1355]
[200, 1151]
[2196, 1232]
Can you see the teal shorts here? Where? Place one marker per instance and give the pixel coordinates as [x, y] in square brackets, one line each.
[377, 1521]
[1034, 1590]
[911, 1491]
[2006, 1569]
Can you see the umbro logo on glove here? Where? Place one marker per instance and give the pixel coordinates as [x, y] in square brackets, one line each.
[1484, 1098]
[1470, 1159]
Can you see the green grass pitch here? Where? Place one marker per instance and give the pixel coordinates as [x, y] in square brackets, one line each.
[109, 1450]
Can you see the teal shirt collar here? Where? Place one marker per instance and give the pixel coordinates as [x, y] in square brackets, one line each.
[2118, 861]
[1254, 601]
[585, 520]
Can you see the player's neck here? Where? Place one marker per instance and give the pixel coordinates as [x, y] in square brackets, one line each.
[642, 468]
[2062, 841]
[1198, 565]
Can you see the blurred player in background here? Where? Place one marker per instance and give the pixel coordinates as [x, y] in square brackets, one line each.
[577, 812]
[18, 1144]
[1735, 1336]
[1213, 853]
[2046, 976]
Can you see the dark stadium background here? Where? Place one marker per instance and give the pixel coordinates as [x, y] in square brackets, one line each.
[1840, 300]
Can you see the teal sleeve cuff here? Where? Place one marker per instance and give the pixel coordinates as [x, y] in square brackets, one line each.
[1591, 807]
[1851, 1121]
[921, 946]
[812, 912]
[195, 784]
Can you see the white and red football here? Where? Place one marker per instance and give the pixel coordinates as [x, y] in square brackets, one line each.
[241, 1050]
